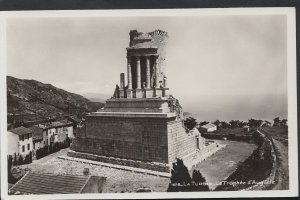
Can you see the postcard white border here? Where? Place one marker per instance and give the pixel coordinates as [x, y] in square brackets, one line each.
[292, 97]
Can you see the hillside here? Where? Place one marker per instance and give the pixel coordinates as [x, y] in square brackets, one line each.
[30, 100]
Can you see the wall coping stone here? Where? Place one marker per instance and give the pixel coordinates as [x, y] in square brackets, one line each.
[132, 114]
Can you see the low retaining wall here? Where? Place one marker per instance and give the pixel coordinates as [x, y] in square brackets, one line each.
[213, 136]
[160, 167]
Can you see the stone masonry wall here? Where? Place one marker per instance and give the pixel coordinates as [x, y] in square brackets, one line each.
[143, 139]
[180, 144]
[160, 41]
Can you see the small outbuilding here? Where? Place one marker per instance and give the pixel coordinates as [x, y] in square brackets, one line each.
[246, 128]
[210, 127]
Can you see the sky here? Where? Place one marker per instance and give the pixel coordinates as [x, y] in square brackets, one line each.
[219, 67]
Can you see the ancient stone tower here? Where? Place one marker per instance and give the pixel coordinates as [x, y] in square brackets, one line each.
[141, 125]
[146, 65]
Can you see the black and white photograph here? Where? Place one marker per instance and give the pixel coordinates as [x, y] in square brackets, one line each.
[167, 103]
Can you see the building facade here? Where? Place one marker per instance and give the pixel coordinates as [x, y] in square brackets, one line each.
[20, 141]
[57, 131]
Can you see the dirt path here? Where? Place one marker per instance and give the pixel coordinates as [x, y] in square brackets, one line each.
[283, 167]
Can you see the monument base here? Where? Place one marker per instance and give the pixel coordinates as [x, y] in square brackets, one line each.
[142, 133]
[154, 166]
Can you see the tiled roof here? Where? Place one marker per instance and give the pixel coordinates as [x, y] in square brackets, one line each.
[35, 183]
[55, 124]
[74, 119]
[37, 133]
[21, 130]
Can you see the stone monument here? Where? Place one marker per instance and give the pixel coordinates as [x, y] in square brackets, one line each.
[141, 125]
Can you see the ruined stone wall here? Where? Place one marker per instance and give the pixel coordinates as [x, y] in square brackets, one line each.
[145, 43]
[160, 41]
[180, 143]
[143, 139]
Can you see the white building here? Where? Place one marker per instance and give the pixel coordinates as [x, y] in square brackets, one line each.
[57, 131]
[19, 141]
[38, 137]
[208, 128]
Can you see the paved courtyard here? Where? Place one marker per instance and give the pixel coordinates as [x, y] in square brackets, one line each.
[117, 180]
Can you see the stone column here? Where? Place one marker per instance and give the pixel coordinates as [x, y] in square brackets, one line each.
[147, 72]
[129, 75]
[122, 81]
[156, 72]
[138, 72]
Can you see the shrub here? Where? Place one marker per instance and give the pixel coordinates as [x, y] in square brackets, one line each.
[11, 178]
[190, 123]
[20, 161]
[27, 159]
[15, 162]
[182, 181]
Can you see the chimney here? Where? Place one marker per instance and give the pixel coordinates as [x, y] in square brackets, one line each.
[86, 171]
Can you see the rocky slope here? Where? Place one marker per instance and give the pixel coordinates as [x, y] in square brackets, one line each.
[31, 100]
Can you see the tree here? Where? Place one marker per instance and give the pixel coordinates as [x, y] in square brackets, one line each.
[26, 160]
[30, 157]
[11, 178]
[284, 122]
[190, 123]
[276, 121]
[182, 181]
[234, 123]
[180, 173]
[254, 122]
[217, 123]
[21, 161]
[200, 181]
[15, 159]
[225, 124]
[242, 124]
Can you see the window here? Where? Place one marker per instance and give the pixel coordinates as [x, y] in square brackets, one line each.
[21, 137]
[23, 148]
[30, 135]
[28, 146]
